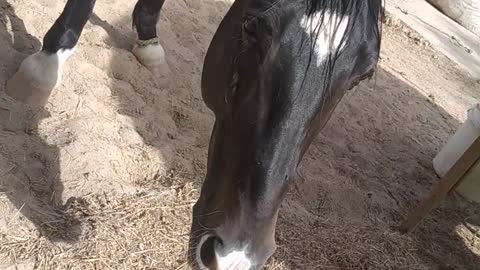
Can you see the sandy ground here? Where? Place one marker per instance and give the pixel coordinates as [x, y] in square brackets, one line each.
[446, 35]
[105, 176]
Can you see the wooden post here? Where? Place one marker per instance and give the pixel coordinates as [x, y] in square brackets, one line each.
[450, 180]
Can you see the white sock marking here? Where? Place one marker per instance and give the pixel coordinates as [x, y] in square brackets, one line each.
[37, 76]
[150, 55]
[44, 69]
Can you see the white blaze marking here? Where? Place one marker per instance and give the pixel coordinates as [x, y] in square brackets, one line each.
[328, 33]
[235, 260]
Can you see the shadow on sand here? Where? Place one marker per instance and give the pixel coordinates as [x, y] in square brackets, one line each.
[29, 167]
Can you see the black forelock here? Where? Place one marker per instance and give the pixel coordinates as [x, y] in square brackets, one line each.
[343, 10]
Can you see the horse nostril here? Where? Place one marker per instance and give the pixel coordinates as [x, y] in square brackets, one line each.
[207, 250]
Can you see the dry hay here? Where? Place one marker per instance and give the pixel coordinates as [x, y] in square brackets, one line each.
[141, 231]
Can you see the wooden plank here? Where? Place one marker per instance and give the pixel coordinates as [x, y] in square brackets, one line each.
[450, 180]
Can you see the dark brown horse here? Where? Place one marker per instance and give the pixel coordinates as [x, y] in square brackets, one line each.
[273, 74]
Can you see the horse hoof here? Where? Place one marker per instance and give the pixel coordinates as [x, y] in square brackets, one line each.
[150, 54]
[37, 76]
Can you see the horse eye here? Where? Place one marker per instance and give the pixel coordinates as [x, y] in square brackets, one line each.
[256, 33]
[250, 29]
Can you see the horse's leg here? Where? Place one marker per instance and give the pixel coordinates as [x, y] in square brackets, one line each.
[148, 49]
[41, 72]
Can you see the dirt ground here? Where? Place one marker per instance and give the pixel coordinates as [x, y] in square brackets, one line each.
[105, 176]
